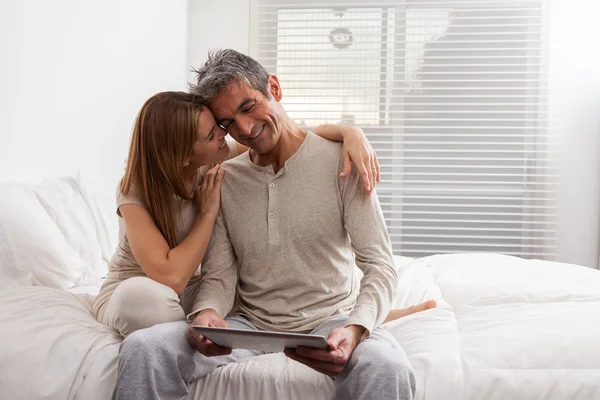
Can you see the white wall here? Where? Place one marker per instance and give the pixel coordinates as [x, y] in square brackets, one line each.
[217, 24]
[575, 103]
[74, 73]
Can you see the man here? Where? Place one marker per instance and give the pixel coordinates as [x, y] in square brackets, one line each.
[290, 266]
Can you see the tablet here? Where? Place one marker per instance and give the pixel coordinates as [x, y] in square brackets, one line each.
[259, 340]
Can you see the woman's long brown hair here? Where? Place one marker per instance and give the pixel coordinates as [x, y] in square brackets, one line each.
[163, 137]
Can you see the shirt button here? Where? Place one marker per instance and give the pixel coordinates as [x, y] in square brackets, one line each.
[272, 215]
[272, 185]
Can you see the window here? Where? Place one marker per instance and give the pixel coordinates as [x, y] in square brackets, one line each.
[452, 95]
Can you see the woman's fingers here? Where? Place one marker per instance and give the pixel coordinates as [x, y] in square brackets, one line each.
[209, 178]
[377, 167]
[347, 164]
[219, 179]
[372, 172]
[363, 171]
[217, 173]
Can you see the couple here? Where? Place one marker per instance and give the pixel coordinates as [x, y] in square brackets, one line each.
[286, 232]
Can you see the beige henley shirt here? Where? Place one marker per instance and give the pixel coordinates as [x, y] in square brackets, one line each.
[285, 248]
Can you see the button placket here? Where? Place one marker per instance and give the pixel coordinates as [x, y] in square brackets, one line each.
[271, 214]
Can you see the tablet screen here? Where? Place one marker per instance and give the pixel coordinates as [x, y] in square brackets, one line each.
[259, 340]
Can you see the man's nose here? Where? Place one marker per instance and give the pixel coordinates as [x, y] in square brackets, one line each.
[245, 125]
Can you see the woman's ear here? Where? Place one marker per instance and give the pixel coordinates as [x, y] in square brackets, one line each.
[275, 88]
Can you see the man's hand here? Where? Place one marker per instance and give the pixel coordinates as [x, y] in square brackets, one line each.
[331, 361]
[208, 317]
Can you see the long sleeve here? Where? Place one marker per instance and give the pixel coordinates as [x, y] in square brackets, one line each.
[364, 222]
[219, 274]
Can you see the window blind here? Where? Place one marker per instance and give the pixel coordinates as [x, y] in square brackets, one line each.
[453, 96]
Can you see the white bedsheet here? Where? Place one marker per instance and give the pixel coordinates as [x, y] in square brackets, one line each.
[505, 328]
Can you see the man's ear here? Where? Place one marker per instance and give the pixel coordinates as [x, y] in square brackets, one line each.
[275, 88]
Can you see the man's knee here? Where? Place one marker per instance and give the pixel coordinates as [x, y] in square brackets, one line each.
[377, 358]
[386, 363]
[152, 342]
[401, 371]
[140, 303]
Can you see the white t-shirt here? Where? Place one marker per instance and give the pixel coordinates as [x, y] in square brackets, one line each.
[123, 264]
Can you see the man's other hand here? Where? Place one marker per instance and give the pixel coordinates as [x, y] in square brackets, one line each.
[208, 317]
[331, 361]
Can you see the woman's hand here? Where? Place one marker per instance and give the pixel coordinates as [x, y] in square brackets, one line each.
[359, 151]
[208, 194]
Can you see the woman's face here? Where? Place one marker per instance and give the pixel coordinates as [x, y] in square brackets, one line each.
[210, 145]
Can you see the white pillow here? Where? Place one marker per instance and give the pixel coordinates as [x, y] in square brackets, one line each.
[53, 234]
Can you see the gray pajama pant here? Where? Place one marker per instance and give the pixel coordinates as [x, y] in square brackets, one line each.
[158, 363]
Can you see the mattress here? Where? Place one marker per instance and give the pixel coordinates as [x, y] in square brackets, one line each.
[505, 328]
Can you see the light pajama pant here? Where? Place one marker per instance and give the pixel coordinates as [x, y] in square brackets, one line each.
[158, 363]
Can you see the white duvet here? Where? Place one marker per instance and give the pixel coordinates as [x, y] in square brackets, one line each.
[505, 328]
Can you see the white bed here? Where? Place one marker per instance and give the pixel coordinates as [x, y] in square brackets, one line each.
[505, 328]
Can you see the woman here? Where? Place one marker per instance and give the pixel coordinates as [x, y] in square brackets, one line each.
[168, 201]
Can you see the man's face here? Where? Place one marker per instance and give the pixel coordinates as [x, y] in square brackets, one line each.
[248, 115]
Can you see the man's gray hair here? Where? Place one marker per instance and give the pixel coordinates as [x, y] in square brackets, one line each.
[225, 66]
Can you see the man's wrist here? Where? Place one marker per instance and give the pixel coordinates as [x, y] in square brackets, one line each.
[207, 310]
[203, 311]
[357, 331]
